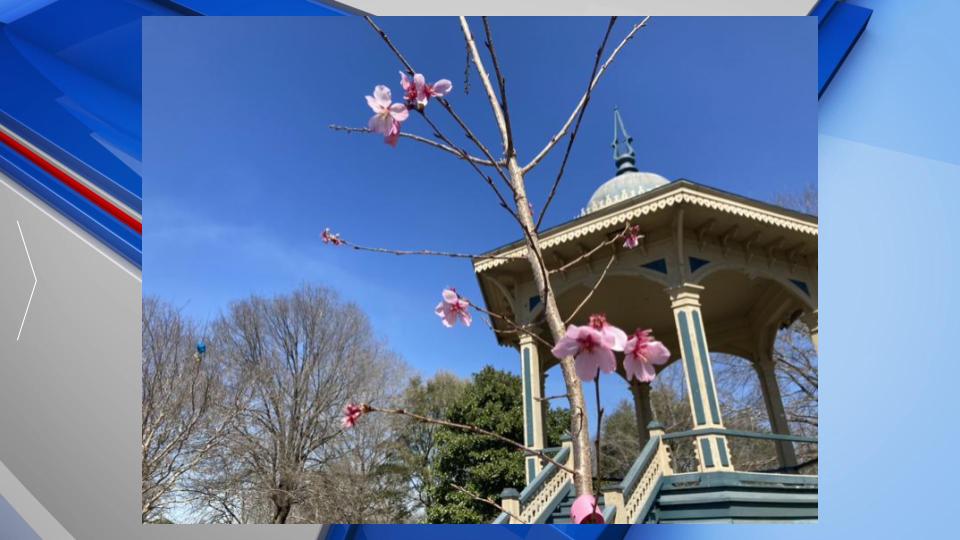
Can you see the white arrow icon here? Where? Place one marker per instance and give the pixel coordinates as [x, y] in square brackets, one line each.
[34, 289]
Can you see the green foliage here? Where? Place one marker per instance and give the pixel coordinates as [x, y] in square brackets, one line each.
[483, 465]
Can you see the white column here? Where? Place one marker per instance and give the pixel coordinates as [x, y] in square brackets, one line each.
[532, 385]
[713, 453]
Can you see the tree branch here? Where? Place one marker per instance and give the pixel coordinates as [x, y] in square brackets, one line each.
[576, 111]
[613, 257]
[473, 429]
[491, 502]
[576, 127]
[424, 140]
[485, 80]
[425, 252]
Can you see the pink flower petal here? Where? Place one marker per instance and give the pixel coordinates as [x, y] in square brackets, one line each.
[656, 353]
[404, 81]
[588, 362]
[441, 87]
[382, 96]
[585, 510]
[616, 337]
[606, 360]
[380, 123]
[372, 103]
[399, 112]
[450, 296]
[466, 318]
[647, 373]
[566, 347]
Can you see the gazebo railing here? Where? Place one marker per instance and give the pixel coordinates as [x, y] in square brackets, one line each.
[630, 500]
[539, 497]
[678, 436]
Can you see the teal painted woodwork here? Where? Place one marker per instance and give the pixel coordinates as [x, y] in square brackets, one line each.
[691, 368]
[527, 397]
[705, 454]
[722, 449]
[705, 367]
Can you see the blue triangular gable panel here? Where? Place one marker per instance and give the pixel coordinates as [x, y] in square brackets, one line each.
[659, 265]
[802, 286]
[696, 264]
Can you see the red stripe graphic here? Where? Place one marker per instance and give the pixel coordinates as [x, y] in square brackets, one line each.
[72, 183]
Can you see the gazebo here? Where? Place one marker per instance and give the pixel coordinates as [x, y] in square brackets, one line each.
[714, 272]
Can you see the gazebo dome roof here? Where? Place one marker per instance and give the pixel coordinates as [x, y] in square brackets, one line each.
[629, 181]
[623, 186]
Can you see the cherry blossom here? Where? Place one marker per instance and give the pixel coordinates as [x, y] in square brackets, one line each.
[633, 237]
[585, 511]
[387, 115]
[591, 349]
[351, 413]
[619, 337]
[452, 307]
[417, 93]
[330, 238]
[642, 353]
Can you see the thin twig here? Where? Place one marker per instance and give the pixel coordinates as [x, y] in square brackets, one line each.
[502, 85]
[549, 398]
[519, 328]
[485, 80]
[599, 425]
[603, 68]
[426, 252]
[586, 298]
[424, 140]
[576, 127]
[594, 250]
[486, 500]
[471, 428]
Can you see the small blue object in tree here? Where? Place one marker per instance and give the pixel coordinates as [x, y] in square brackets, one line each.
[201, 348]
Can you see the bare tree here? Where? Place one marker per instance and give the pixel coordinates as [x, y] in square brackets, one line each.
[303, 356]
[186, 410]
[506, 172]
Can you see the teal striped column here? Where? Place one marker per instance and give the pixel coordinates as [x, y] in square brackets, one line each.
[713, 453]
[532, 380]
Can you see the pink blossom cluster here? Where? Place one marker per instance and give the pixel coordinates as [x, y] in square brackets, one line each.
[351, 413]
[330, 238]
[453, 308]
[388, 116]
[592, 346]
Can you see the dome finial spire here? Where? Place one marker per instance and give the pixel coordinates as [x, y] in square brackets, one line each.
[623, 154]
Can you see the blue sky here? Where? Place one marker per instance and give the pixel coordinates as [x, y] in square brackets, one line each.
[242, 173]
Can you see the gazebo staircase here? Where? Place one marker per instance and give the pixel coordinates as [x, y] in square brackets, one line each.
[652, 493]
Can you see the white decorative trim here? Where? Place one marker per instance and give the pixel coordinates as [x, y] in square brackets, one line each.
[679, 196]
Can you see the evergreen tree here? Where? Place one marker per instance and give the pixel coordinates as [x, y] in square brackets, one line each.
[483, 465]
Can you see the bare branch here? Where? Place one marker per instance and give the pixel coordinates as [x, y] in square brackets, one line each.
[613, 257]
[502, 85]
[485, 80]
[576, 111]
[491, 502]
[576, 127]
[595, 249]
[519, 328]
[472, 429]
[424, 140]
[425, 252]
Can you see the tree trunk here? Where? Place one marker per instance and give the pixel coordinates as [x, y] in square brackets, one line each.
[579, 425]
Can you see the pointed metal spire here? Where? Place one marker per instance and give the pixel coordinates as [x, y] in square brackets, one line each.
[623, 154]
